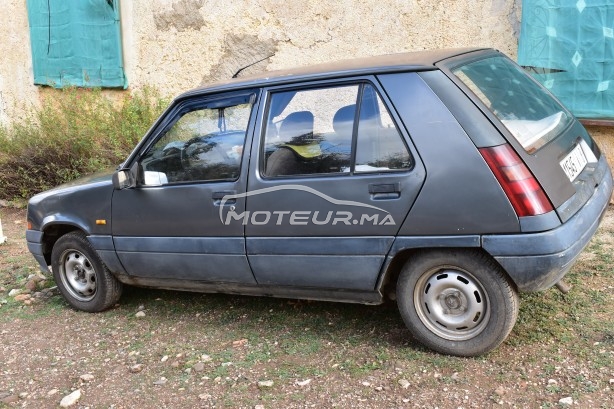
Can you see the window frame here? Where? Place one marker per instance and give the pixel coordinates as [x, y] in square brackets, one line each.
[361, 82]
[401, 136]
[179, 109]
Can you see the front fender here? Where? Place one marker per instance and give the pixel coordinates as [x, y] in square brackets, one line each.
[56, 220]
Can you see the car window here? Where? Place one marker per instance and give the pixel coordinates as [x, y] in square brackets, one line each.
[380, 145]
[311, 132]
[302, 135]
[524, 107]
[204, 144]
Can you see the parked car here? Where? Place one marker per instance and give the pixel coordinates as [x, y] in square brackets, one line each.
[448, 180]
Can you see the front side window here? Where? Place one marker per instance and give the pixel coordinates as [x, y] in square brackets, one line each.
[526, 109]
[334, 130]
[204, 144]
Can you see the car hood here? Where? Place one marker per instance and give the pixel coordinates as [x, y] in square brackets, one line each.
[85, 182]
[78, 203]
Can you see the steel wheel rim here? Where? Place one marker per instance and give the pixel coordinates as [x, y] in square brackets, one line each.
[78, 275]
[452, 303]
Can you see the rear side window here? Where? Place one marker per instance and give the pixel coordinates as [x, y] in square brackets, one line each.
[379, 145]
[333, 130]
[526, 109]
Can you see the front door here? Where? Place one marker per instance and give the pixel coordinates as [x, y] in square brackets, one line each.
[168, 226]
[334, 179]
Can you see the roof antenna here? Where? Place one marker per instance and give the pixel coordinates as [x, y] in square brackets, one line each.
[247, 66]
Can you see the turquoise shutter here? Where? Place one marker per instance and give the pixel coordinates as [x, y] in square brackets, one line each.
[76, 43]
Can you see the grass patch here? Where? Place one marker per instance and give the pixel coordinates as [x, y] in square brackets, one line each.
[76, 132]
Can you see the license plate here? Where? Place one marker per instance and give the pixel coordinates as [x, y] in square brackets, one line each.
[574, 163]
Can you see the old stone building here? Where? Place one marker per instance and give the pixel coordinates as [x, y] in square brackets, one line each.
[178, 44]
[174, 45]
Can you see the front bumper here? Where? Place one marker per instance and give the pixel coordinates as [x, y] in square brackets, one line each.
[537, 261]
[34, 239]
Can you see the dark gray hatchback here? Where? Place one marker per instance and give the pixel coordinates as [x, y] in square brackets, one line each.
[449, 180]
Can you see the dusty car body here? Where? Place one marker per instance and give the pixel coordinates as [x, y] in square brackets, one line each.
[449, 180]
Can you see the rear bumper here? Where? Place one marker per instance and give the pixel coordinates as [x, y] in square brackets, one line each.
[537, 261]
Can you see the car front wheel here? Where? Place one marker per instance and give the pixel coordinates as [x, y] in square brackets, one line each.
[457, 302]
[81, 276]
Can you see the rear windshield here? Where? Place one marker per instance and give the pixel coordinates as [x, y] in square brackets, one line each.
[526, 109]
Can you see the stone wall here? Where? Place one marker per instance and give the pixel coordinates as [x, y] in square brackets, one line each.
[18, 95]
[175, 45]
[180, 44]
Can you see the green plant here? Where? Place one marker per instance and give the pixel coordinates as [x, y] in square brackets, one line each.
[74, 133]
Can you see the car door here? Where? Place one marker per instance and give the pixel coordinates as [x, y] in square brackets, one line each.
[331, 180]
[168, 225]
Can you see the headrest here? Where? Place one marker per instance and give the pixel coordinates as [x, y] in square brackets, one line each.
[297, 127]
[343, 121]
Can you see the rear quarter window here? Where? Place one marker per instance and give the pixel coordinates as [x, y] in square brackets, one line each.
[523, 106]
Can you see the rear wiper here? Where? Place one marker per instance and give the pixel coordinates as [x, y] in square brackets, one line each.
[541, 70]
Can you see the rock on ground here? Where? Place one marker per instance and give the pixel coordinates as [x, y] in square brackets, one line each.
[87, 377]
[568, 401]
[265, 384]
[71, 399]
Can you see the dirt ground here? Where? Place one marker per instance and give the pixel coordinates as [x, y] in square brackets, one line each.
[163, 349]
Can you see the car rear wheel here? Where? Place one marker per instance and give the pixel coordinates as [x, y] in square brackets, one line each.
[457, 302]
[81, 276]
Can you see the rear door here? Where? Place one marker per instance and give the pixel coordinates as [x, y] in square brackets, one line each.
[332, 178]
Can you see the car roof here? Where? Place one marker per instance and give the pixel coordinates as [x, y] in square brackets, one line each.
[409, 61]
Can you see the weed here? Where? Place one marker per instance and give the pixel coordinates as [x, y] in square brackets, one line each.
[256, 357]
[553, 389]
[75, 132]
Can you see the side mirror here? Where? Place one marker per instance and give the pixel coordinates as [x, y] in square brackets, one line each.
[126, 178]
[122, 179]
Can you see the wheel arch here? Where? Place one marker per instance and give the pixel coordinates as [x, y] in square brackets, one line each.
[52, 232]
[394, 265]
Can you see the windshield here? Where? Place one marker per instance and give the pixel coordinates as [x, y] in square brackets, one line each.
[526, 109]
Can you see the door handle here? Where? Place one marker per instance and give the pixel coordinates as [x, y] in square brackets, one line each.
[385, 191]
[218, 196]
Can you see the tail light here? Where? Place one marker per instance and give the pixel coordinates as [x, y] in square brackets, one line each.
[522, 189]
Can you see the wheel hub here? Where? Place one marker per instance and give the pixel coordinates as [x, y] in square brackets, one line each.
[78, 275]
[451, 303]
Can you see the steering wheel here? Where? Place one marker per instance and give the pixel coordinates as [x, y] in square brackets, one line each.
[200, 145]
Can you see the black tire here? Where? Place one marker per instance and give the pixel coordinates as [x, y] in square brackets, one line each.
[457, 302]
[82, 278]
